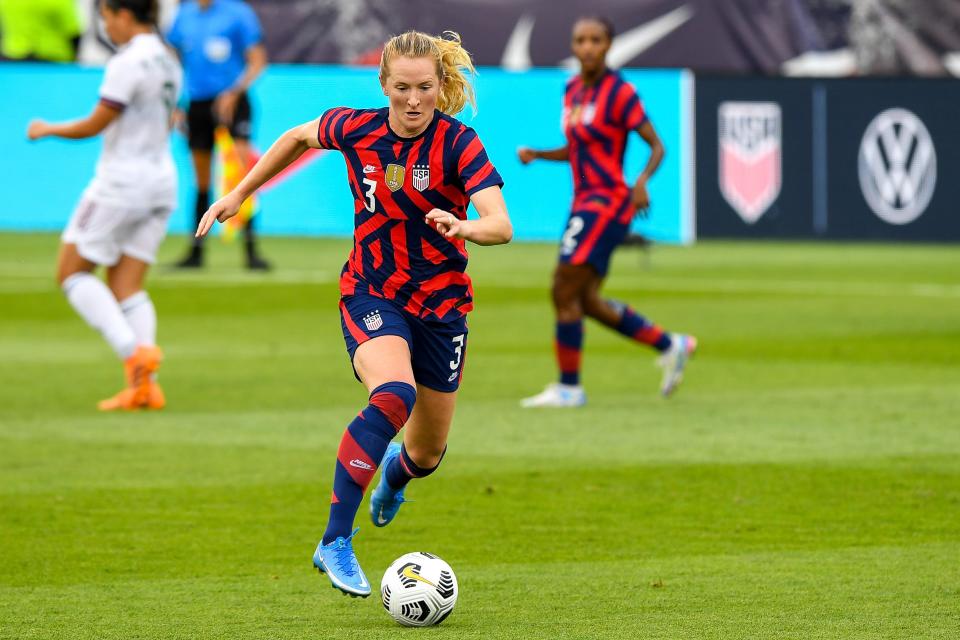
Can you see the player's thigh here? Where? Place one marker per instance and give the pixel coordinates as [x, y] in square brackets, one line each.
[571, 281]
[378, 340]
[70, 262]
[425, 436]
[93, 230]
[383, 359]
[439, 353]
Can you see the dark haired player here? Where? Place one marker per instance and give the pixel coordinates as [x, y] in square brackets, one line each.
[600, 111]
[122, 216]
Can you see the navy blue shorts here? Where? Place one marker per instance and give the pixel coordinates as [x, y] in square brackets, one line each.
[591, 238]
[437, 349]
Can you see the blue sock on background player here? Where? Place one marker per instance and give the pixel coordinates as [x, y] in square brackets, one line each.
[361, 449]
[569, 347]
[402, 469]
[638, 328]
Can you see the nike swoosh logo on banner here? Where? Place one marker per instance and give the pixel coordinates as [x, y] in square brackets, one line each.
[516, 55]
[629, 44]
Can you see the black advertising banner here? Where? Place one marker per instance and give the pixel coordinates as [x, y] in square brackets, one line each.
[753, 157]
[894, 161]
[840, 159]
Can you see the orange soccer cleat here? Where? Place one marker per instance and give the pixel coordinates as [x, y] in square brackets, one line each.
[142, 391]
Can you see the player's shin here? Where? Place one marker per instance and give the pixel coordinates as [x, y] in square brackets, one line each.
[361, 449]
[403, 469]
[639, 328]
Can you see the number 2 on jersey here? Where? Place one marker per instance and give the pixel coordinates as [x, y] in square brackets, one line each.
[569, 241]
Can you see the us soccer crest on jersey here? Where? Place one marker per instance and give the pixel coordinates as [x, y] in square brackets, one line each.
[421, 177]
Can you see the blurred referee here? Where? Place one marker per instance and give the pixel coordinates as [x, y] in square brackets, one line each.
[221, 46]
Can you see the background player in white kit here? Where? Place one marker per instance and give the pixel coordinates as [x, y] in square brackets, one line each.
[122, 216]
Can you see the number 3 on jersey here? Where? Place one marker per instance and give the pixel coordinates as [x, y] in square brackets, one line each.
[371, 203]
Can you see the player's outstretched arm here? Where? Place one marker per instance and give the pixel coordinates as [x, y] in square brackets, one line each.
[288, 147]
[528, 155]
[87, 127]
[493, 227]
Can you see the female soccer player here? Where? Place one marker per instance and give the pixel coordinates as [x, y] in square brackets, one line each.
[600, 111]
[413, 170]
[122, 215]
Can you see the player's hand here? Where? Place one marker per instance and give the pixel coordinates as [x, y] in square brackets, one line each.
[222, 210]
[449, 225]
[225, 106]
[639, 198]
[526, 155]
[37, 129]
[178, 121]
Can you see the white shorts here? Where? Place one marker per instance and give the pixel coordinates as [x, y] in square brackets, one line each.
[103, 231]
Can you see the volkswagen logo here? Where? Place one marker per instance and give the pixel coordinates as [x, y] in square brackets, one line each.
[897, 166]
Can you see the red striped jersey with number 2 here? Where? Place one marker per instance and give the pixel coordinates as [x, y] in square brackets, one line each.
[597, 121]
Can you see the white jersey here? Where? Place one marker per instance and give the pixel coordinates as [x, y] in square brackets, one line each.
[136, 167]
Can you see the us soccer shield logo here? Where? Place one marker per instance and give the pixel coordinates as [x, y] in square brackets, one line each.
[393, 176]
[421, 177]
[750, 170]
[373, 321]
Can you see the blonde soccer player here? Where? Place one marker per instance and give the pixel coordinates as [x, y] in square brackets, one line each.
[122, 216]
[413, 170]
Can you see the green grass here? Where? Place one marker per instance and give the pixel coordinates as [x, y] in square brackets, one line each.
[803, 483]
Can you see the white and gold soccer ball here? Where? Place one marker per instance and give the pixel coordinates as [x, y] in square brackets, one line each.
[419, 590]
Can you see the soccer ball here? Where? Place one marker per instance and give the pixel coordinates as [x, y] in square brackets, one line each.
[419, 590]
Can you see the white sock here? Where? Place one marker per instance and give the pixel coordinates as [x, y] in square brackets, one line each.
[140, 313]
[95, 303]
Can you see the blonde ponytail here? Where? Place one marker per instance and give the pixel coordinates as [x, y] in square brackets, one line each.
[452, 60]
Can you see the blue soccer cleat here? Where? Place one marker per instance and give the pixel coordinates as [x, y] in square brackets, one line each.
[339, 562]
[385, 501]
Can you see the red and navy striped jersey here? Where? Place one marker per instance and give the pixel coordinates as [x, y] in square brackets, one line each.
[395, 182]
[597, 121]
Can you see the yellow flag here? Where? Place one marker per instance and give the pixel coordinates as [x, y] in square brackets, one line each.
[231, 169]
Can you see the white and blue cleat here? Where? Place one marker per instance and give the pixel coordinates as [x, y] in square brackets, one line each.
[673, 361]
[339, 562]
[557, 396]
[385, 501]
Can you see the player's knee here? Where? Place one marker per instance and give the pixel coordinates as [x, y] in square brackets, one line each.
[395, 400]
[422, 459]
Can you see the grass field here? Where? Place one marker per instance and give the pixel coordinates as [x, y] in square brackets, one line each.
[803, 483]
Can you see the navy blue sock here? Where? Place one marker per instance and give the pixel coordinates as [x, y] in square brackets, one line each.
[635, 326]
[361, 450]
[569, 346]
[402, 469]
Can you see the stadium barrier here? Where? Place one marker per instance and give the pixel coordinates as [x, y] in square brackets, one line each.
[846, 159]
[45, 179]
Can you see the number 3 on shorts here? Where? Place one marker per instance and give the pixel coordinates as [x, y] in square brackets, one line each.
[569, 241]
[454, 364]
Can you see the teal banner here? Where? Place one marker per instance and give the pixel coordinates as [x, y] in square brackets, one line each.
[45, 179]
